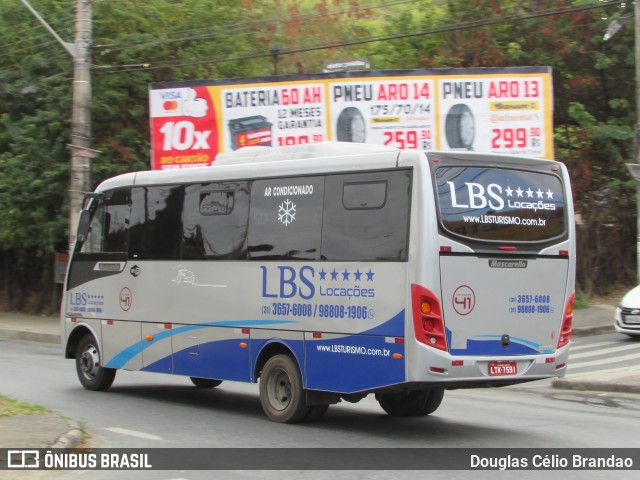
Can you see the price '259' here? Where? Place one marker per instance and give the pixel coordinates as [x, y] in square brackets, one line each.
[406, 138]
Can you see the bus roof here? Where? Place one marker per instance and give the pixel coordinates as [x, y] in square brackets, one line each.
[260, 162]
[297, 152]
[305, 159]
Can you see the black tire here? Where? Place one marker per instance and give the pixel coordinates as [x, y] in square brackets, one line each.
[453, 128]
[412, 404]
[205, 382]
[92, 375]
[281, 393]
[344, 128]
[316, 412]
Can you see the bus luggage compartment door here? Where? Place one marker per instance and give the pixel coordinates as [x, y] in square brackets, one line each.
[353, 363]
[503, 306]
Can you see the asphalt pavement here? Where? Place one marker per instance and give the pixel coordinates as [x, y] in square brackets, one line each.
[52, 430]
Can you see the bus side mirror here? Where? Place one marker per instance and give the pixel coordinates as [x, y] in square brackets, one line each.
[83, 226]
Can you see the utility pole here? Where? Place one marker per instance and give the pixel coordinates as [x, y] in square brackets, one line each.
[634, 168]
[81, 153]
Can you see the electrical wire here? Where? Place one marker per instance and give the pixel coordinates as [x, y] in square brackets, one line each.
[234, 28]
[345, 43]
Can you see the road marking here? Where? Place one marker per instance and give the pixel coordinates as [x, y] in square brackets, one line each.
[604, 374]
[589, 345]
[603, 351]
[134, 433]
[622, 358]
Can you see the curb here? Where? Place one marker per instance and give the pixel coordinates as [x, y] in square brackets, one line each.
[69, 440]
[588, 331]
[595, 386]
[9, 334]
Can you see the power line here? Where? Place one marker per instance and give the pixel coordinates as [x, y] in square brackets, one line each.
[20, 34]
[360, 41]
[244, 26]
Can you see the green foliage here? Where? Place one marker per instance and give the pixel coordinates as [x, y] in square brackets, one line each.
[137, 43]
[581, 301]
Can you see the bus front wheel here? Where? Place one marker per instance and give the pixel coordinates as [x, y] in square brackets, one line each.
[281, 393]
[92, 375]
[412, 404]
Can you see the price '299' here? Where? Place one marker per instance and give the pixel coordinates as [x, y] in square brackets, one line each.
[509, 138]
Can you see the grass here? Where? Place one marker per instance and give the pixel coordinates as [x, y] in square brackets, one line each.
[581, 301]
[10, 407]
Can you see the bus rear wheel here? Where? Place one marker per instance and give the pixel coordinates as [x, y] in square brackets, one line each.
[92, 375]
[411, 404]
[316, 412]
[281, 393]
[205, 382]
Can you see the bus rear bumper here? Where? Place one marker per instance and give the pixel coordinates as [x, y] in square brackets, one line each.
[452, 370]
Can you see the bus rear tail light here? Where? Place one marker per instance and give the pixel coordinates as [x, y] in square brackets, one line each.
[427, 318]
[567, 323]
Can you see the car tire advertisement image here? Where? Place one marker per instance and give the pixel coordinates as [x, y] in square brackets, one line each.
[460, 128]
[486, 110]
[351, 126]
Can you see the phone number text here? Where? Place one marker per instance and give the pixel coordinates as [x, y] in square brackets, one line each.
[321, 311]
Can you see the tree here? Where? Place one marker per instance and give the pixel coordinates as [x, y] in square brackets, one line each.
[34, 129]
[137, 43]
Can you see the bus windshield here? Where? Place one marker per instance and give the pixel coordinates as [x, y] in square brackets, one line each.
[500, 204]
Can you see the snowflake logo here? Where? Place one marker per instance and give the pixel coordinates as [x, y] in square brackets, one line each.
[287, 212]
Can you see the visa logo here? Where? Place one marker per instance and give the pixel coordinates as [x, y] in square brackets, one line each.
[175, 95]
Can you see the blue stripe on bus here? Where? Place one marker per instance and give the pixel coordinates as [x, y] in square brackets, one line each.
[125, 355]
[391, 328]
[492, 345]
[219, 359]
[121, 359]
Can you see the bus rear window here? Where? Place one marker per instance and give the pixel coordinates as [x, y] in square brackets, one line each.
[499, 204]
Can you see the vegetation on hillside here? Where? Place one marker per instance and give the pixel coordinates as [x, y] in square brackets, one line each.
[137, 43]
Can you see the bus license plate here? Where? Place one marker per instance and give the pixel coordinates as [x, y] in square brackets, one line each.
[497, 369]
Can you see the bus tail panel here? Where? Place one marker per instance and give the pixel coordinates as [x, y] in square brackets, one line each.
[503, 306]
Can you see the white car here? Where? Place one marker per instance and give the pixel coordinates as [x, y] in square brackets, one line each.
[627, 316]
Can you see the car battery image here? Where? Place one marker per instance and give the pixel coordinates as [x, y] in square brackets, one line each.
[250, 131]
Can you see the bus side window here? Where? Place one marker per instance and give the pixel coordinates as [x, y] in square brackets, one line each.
[366, 216]
[215, 221]
[155, 232]
[93, 241]
[108, 230]
[116, 223]
[286, 218]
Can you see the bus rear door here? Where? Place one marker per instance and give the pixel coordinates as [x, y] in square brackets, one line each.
[504, 257]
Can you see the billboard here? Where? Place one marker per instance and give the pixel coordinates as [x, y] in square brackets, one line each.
[497, 110]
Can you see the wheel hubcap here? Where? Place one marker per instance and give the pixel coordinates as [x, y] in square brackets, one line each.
[279, 390]
[90, 362]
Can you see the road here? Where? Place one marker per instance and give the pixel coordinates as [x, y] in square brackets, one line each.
[144, 410]
[603, 352]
